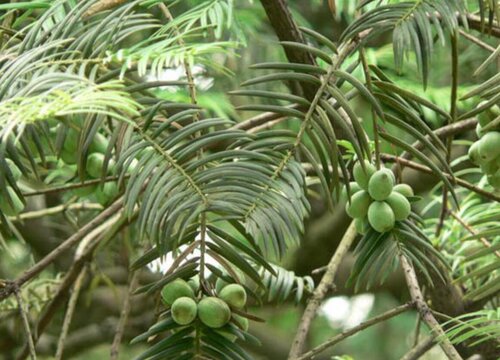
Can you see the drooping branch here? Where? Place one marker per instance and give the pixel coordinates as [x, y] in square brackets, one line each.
[423, 309]
[364, 325]
[320, 292]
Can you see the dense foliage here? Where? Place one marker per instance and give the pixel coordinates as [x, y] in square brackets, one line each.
[133, 136]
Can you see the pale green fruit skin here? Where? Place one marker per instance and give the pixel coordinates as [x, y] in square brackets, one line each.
[479, 130]
[234, 295]
[14, 170]
[214, 312]
[381, 184]
[489, 146]
[354, 187]
[489, 167]
[494, 180]
[184, 310]
[99, 144]
[174, 290]
[399, 205]
[484, 117]
[194, 283]
[381, 217]
[241, 322]
[85, 191]
[359, 204]
[474, 153]
[69, 157]
[227, 335]
[71, 141]
[108, 192]
[361, 225]
[17, 205]
[404, 189]
[95, 162]
[362, 177]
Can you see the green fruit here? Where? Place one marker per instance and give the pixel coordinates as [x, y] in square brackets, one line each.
[403, 189]
[235, 295]
[108, 192]
[484, 117]
[69, 157]
[474, 153]
[99, 144]
[6, 207]
[489, 146]
[241, 322]
[479, 130]
[95, 163]
[14, 170]
[361, 225]
[174, 290]
[230, 336]
[489, 167]
[359, 204]
[381, 216]
[399, 205]
[194, 283]
[361, 176]
[184, 310]
[381, 184]
[71, 141]
[494, 180]
[213, 312]
[354, 187]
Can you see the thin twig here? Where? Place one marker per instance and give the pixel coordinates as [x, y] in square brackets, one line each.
[9, 287]
[427, 170]
[420, 349]
[417, 331]
[366, 324]
[471, 230]
[423, 309]
[476, 41]
[115, 347]
[70, 311]
[55, 210]
[26, 324]
[320, 292]
[71, 186]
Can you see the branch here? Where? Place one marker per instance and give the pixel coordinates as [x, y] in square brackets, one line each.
[475, 23]
[423, 309]
[10, 286]
[72, 186]
[55, 210]
[321, 291]
[102, 6]
[425, 169]
[26, 324]
[345, 334]
[420, 349]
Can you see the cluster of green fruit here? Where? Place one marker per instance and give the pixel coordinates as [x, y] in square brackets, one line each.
[486, 151]
[13, 205]
[214, 312]
[94, 166]
[376, 201]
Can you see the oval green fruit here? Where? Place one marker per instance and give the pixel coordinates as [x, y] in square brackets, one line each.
[235, 295]
[494, 180]
[474, 153]
[403, 189]
[361, 225]
[12, 207]
[479, 130]
[69, 157]
[184, 310]
[71, 140]
[484, 117]
[95, 163]
[107, 192]
[361, 176]
[399, 205]
[489, 167]
[489, 146]
[381, 184]
[214, 312]
[194, 283]
[99, 144]
[85, 191]
[241, 322]
[174, 290]
[381, 216]
[359, 204]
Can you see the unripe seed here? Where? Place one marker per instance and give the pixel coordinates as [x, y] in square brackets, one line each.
[235, 295]
[381, 216]
[359, 204]
[184, 310]
[474, 153]
[489, 146]
[399, 205]
[361, 176]
[361, 225]
[174, 290]
[381, 184]
[403, 189]
[214, 312]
